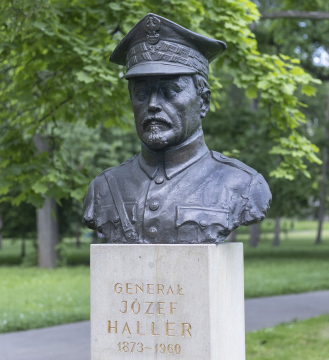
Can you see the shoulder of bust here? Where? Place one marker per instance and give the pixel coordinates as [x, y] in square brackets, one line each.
[257, 196]
[106, 171]
[233, 162]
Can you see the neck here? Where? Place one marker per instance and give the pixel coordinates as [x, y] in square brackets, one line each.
[189, 140]
[174, 159]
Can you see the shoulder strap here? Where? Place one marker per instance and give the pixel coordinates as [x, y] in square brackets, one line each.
[127, 227]
[233, 162]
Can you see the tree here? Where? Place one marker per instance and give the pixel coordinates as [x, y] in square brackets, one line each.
[0, 232]
[306, 38]
[254, 235]
[47, 222]
[276, 240]
[323, 190]
[237, 130]
[54, 73]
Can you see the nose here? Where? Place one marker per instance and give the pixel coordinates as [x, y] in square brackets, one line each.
[154, 105]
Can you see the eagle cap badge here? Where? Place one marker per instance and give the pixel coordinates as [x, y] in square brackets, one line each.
[151, 25]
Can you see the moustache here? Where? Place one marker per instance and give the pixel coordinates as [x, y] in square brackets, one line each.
[159, 119]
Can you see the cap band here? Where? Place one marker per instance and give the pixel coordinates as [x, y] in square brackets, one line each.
[165, 51]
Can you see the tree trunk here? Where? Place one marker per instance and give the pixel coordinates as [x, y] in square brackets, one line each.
[254, 235]
[77, 234]
[35, 243]
[234, 90]
[233, 235]
[23, 247]
[276, 240]
[0, 232]
[254, 104]
[47, 233]
[324, 175]
[47, 221]
[322, 195]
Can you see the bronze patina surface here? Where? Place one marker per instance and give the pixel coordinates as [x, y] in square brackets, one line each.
[176, 190]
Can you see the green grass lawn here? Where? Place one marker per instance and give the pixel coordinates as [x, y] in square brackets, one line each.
[305, 340]
[296, 266]
[10, 254]
[267, 226]
[32, 298]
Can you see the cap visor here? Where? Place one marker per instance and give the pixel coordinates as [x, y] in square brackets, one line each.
[158, 68]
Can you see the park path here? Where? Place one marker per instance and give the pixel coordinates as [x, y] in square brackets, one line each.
[71, 341]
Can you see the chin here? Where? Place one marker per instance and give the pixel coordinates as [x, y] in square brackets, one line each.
[156, 144]
[156, 139]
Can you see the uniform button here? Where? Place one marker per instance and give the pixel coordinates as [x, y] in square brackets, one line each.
[203, 223]
[159, 180]
[116, 219]
[152, 232]
[154, 205]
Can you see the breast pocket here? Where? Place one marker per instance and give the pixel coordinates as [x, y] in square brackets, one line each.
[201, 225]
[109, 223]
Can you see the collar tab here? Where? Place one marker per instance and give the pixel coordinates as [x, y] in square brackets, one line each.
[173, 160]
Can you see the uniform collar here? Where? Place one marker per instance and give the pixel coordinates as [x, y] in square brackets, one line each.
[174, 160]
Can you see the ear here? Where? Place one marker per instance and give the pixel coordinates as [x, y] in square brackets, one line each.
[205, 96]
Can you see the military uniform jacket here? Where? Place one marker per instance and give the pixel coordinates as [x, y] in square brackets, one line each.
[186, 194]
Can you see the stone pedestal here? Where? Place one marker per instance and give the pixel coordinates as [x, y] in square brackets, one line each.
[167, 302]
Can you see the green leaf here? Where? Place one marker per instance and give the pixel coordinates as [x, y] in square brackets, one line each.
[84, 77]
[251, 92]
[40, 188]
[115, 6]
[308, 90]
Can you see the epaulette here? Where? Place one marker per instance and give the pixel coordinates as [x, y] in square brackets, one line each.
[112, 167]
[233, 162]
[128, 160]
[104, 171]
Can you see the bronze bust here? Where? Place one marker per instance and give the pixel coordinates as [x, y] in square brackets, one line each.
[175, 190]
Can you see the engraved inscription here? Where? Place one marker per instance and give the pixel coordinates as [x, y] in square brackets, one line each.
[149, 289]
[168, 329]
[156, 318]
[130, 347]
[149, 308]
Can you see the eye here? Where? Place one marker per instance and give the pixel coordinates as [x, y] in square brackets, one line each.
[141, 93]
[169, 91]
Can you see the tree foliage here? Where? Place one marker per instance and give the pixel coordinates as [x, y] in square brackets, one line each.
[306, 39]
[56, 80]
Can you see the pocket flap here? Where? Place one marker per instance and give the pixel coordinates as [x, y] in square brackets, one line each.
[202, 216]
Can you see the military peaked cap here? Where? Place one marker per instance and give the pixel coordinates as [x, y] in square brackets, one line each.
[158, 46]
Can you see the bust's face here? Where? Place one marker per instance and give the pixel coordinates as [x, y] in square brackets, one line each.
[167, 109]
